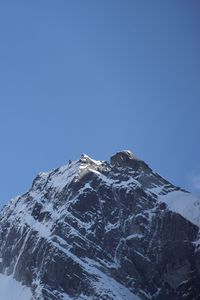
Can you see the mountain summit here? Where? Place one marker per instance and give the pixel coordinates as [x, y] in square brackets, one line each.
[101, 230]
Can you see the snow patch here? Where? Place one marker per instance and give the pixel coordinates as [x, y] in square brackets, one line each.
[10, 289]
[185, 204]
[135, 235]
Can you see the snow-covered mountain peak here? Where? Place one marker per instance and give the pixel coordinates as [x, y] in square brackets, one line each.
[88, 160]
[102, 230]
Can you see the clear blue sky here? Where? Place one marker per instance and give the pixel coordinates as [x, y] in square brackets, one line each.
[97, 77]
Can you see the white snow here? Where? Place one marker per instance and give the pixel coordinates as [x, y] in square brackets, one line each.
[135, 235]
[185, 204]
[64, 177]
[156, 190]
[38, 226]
[111, 226]
[10, 289]
[96, 162]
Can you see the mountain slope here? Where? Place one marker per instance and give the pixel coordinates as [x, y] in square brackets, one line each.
[99, 230]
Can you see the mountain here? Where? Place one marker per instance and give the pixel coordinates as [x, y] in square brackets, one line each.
[101, 230]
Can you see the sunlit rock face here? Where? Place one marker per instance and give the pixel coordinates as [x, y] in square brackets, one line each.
[103, 230]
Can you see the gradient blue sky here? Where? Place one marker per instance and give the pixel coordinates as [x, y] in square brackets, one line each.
[96, 77]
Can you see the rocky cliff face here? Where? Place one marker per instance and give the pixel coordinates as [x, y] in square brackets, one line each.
[100, 230]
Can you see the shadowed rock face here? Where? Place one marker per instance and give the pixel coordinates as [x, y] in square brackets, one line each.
[128, 159]
[97, 230]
